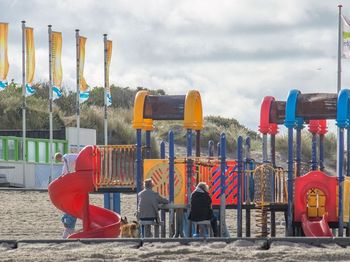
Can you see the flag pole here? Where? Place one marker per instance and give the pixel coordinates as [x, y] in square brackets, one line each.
[339, 50]
[105, 89]
[340, 131]
[78, 87]
[24, 102]
[50, 101]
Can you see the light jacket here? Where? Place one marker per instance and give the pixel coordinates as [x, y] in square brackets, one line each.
[148, 204]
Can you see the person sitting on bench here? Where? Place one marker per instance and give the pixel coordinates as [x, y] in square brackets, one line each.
[148, 205]
[201, 209]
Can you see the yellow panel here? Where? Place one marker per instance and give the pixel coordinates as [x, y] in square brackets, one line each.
[316, 201]
[158, 170]
[321, 201]
[312, 212]
[346, 197]
[321, 211]
[312, 201]
[193, 116]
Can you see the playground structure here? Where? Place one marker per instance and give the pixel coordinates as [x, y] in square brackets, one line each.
[315, 204]
[319, 202]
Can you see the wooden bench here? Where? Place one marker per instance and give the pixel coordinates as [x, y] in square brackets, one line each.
[156, 225]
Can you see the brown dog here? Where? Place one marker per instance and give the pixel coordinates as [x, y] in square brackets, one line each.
[129, 230]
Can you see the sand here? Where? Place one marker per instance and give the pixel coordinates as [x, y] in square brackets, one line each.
[30, 215]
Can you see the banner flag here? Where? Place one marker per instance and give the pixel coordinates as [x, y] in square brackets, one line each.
[30, 60]
[345, 37]
[56, 40]
[84, 88]
[4, 63]
[109, 57]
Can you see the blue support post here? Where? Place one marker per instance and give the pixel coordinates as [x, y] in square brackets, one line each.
[210, 148]
[239, 185]
[314, 152]
[171, 166]
[148, 144]
[340, 180]
[162, 212]
[189, 180]
[139, 175]
[290, 121]
[162, 150]
[106, 201]
[321, 152]
[246, 167]
[290, 182]
[264, 148]
[222, 184]
[189, 164]
[171, 183]
[348, 151]
[342, 121]
[298, 151]
[111, 201]
[348, 169]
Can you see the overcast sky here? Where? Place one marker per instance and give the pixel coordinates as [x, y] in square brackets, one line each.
[233, 52]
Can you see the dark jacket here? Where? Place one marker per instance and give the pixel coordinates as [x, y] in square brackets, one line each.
[200, 206]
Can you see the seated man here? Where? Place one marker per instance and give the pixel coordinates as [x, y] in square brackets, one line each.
[201, 206]
[147, 209]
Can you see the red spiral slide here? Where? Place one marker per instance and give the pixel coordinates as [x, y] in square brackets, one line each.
[70, 193]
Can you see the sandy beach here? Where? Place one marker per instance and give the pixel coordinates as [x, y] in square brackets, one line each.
[30, 215]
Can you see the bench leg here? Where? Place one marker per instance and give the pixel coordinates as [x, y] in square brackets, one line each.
[156, 231]
[202, 230]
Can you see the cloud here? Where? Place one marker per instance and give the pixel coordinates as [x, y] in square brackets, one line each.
[233, 52]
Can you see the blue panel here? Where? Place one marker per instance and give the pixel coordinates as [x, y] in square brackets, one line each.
[342, 120]
[291, 107]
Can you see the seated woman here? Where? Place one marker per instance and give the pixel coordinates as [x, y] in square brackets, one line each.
[201, 206]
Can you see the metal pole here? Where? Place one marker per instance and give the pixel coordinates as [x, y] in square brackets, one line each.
[50, 102]
[78, 87]
[105, 89]
[24, 102]
[339, 49]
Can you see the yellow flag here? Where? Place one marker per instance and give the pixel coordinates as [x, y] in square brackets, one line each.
[56, 40]
[4, 63]
[84, 88]
[109, 57]
[30, 60]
